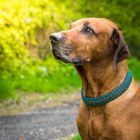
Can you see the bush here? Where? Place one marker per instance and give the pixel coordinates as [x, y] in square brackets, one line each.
[20, 37]
[25, 26]
[121, 13]
[134, 66]
[7, 89]
[25, 62]
[76, 137]
[50, 76]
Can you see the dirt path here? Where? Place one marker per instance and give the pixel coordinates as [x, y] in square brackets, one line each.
[43, 124]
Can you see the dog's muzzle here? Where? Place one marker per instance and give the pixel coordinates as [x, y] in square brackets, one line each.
[62, 50]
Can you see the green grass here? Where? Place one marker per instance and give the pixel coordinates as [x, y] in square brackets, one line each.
[50, 77]
[51, 83]
[134, 66]
[7, 89]
[76, 137]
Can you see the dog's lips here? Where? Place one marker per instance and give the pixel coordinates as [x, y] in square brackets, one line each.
[76, 61]
[58, 56]
[65, 57]
[55, 53]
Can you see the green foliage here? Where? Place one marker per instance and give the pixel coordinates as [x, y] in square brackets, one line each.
[6, 89]
[134, 65]
[50, 77]
[20, 21]
[25, 26]
[76, 137]
[25, 63]
[124, 13]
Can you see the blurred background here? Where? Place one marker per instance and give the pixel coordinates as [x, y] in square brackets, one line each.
[26, 63]
[30, 77]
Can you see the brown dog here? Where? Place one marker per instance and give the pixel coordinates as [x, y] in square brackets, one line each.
[98, 51]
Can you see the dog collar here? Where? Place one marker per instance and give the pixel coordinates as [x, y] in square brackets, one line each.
[102, 100]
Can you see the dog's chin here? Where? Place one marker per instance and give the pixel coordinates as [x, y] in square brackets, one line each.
[75, 61]
[66, 59]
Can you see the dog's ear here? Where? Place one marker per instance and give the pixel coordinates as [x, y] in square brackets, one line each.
[119, 45]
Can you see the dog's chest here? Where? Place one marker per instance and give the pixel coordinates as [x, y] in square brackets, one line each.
[102, 128]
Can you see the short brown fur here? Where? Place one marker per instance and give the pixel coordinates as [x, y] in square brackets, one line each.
[119, 119]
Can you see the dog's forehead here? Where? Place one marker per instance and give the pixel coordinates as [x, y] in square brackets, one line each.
[101, 24]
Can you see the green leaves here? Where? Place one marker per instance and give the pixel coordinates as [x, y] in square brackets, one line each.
[134, 65]
[124, 13]
[25, 25]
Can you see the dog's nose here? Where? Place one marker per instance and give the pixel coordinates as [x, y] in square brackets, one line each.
[56, 37]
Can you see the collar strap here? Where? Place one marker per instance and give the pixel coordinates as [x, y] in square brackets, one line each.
[115, 93]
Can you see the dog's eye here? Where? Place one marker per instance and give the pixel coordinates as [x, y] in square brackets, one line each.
[88, 30]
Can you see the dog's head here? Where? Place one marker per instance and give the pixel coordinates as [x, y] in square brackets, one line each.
[90, 39]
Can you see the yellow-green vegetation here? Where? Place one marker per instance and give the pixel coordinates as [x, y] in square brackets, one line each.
[25, 60]
[24, 48]
[76, 137]
[134, 65]
[49, 77]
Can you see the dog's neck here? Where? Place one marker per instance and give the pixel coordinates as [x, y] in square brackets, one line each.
[99, 79]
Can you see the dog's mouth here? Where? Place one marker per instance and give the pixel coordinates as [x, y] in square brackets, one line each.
[56, 54]
[63, 54]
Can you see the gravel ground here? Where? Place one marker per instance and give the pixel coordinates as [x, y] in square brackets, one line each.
[44, 124]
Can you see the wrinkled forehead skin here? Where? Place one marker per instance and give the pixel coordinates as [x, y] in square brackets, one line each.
[98, 24]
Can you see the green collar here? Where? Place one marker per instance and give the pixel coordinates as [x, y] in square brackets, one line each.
[118, 91]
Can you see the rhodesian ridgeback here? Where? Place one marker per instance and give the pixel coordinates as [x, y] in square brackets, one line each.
[110, 97]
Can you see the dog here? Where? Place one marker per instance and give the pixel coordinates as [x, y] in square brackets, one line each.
[110, 104]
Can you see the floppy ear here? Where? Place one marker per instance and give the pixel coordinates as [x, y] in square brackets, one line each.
[121, 48]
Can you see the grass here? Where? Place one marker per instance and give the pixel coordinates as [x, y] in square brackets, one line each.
[76, 137]
[52, 76]
[49, 77]
[134, 66]
[7, 89]
[52, 83]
